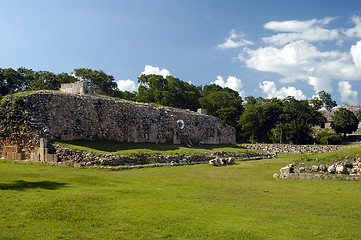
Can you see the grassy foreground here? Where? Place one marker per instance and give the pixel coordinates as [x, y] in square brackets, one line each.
[241, 201]
[126, 148]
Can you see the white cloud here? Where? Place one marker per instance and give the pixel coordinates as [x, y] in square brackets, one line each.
[356, 31]
[234, 41]
[148, 69]
[311, 30]
[347, 94]
[127, 85]
[231, 82]
[296, 52]
[301, 60]
[270, 88]
[356, 54]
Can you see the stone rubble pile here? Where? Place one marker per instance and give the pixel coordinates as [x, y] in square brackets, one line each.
[349, 169]
[222, 161]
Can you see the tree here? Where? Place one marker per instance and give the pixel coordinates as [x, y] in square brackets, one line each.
[97, 80]
[250, 123]
[169, 91]
[45, 80]
[296, 121]
[358, 115]
[259, 118]
[326, 99]
[223, 103]
[344, 121]
[250, 100]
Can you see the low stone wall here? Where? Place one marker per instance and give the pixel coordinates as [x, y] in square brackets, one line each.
[349, 169]
[78, 158]
[294, 149]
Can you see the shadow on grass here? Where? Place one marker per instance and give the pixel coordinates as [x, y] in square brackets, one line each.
[114, 146]
[20, 185]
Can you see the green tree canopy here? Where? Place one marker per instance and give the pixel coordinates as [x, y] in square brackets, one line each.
[259, 118]
[224, 103]
[344, 121]
[169, 91]
[97, 80]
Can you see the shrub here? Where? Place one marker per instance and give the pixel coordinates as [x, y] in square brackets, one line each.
[327, 138]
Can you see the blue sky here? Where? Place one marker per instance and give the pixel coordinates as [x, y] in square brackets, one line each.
[260, 47]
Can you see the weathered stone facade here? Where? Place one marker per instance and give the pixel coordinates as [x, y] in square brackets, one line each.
[77, 88]
[27, 122]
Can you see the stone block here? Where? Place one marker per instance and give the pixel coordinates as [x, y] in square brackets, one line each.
[285, 172]
[43, 143]
[309, 176]
[43, 152]
[302, 176]
[293, 176]
[18, 156]
[34, 157]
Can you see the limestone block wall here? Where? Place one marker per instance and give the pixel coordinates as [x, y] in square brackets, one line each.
[76, 88]
[294, 149]
[56, 116]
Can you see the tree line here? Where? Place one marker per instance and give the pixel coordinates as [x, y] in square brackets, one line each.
[256, 120]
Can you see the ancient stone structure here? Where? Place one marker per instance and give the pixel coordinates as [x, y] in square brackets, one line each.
[28, 123]
[77, 88]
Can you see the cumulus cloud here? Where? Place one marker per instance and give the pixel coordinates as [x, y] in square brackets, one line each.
[295, 50]
[311, 30]
[234, 41]
[270, 88]
[356, 54]
[127, 85]
[356, 31]
[301, 60]
[148, 69]
[347, 94]
[231, 82]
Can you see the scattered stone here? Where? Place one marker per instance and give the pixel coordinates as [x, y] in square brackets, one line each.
[314, 168]
[340, 169]
[322, 168]
[285, 172]
[331, 169]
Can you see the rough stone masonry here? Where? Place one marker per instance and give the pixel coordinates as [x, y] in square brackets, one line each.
[28, 123]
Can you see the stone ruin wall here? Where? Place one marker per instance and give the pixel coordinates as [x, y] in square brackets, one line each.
[29, 122]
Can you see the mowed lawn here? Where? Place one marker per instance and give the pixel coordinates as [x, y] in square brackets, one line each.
[241, 201]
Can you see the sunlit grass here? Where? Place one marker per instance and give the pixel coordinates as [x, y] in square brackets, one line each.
[240, 201]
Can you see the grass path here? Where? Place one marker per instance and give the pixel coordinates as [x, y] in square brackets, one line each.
[241, 201]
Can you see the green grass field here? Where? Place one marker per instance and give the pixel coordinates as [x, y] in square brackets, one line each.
[240, 201]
